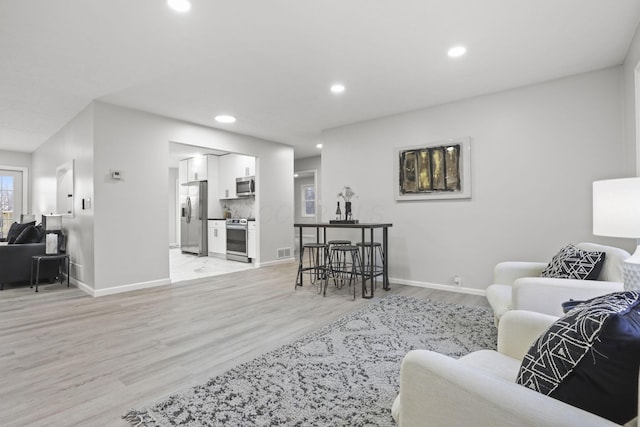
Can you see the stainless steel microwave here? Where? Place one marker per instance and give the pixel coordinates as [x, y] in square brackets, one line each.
[246, 186]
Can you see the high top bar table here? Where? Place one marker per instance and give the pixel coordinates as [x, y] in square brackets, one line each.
[363, 227]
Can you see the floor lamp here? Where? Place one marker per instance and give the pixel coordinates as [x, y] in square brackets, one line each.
[616, 213]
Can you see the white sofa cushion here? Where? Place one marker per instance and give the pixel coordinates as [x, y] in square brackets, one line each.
[494, 363]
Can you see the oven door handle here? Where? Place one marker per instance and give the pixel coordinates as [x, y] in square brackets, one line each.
[237, 227]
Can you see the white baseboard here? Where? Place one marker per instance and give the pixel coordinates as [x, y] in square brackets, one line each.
[82, 286]
[438, 286]
[119, 289]
[276, 262]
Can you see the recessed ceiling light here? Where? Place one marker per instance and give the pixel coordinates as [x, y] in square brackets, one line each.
[295, 175]
[337, 88]
[457, 51]
[179, 5]
[225, 118]
[318, 145]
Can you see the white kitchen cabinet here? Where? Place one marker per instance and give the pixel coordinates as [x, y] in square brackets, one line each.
[232, 166]
[246, 165]
[193, 169]
[252, 242]
[197, 168]
[217, 237]
[226, 177]
[210, 236]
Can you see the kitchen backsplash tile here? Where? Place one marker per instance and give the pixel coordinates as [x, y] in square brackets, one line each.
[240, 208]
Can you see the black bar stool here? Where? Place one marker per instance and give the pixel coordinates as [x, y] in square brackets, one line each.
[318, 256]
[347, 267]
[368, 250]
[337, 259]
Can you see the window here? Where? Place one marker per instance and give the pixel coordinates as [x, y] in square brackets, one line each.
[309, 200]
[6, 204]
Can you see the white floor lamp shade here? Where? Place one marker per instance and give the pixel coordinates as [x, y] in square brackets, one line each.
[616, 213]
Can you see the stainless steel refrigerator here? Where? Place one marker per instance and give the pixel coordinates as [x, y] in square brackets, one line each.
[193, 218]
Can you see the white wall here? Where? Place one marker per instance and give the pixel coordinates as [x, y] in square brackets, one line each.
[131, 220]
[120, 243]
[632, 99]
[15, 158]
[173, 206]
[535, 152]
[73, 141]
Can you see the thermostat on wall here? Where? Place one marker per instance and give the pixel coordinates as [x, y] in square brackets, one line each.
[115, 175]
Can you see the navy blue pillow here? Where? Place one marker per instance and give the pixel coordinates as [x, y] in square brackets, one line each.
[573, 263]
[590, 357]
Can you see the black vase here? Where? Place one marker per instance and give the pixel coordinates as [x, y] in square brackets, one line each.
[347, 210]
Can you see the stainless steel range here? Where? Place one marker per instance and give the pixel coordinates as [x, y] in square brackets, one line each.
[237, 234]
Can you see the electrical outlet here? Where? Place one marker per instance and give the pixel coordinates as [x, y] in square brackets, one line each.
[457, 280]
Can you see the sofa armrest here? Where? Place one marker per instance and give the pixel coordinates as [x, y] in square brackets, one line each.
[518, 329]
[437, 390]
[505, 273]
[546, 295]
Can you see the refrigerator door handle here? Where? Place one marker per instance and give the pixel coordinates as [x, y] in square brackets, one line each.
[188, 209]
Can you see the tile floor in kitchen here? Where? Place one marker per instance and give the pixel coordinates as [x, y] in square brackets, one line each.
[184, 267]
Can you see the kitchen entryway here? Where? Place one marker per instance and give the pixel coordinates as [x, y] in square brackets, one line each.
[184, 267]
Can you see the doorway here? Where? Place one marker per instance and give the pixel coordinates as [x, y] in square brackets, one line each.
[182, 266]
[306, 203]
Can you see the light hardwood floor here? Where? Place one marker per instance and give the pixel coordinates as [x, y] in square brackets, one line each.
[68, 359]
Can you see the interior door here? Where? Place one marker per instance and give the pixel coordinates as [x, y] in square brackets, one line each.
[10, 199]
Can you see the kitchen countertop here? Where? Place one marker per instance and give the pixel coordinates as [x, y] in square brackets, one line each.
[224, 219]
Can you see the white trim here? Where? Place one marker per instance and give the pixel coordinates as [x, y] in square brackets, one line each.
[178, 212]
[303, 207]
[82, 286]
[25, 185]
[276, 262]
[119, 289]
[438, 286]
[636, 79]
[317, 187]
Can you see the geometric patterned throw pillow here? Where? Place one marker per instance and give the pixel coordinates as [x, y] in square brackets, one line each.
[573, 263]
[590, 357]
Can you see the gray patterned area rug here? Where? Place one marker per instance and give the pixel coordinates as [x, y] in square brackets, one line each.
[344, 374]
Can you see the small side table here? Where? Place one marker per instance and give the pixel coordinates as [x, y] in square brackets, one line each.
[60, 258]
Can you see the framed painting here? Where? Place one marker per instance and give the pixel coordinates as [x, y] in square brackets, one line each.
[437, 170]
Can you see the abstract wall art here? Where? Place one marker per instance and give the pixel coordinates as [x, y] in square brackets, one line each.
[437, 170]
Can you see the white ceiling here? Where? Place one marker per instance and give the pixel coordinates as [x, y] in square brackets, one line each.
[270, 63]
